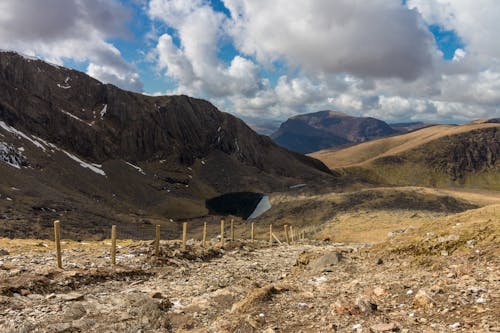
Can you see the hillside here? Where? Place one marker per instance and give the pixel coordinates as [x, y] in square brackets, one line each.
[72, 147]
[314, 131]
[442, 156]
[424, 275]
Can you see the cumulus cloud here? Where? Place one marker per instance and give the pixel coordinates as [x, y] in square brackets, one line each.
[194, 63]
[70, 29]
[366, 38]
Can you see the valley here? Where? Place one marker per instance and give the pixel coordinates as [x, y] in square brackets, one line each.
[400, 224]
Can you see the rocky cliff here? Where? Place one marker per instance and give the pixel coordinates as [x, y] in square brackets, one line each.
[67, 137]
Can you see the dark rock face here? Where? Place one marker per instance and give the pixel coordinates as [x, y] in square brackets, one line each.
[93, 155]
[472, 152]
[101, 122]
[325, 129]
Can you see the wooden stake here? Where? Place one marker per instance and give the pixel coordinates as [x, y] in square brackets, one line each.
[222, 232]
[113, 244]
[232, 230]
[184, 234]
[286, 234]
[157, 240]
[277, 239]
[204, 239]
[57, 240]
[291, 232]
[252, 232]
[270, 234]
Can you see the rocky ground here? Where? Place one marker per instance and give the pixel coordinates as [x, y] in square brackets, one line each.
[245, 287]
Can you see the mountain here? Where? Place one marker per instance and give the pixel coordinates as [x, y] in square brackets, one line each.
[408, 127]
[437, 156]
[93, 154]
[311, 132]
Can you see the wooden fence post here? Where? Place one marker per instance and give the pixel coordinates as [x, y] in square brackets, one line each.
[232, 230]
[252, 235]
[184, 234]
[286, 234]
[270, 234]
[292, 232]
[222, 232]
[57, 240]
[204, 239]
[113, 244]
[157, 240]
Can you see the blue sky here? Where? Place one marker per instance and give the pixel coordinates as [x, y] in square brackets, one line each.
[412, 60]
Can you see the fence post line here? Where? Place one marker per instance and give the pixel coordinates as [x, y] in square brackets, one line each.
[184, 234]
[232, 230]
[286, 234]
[252, 235]
[222, 232]
[270, 234]
[204, 238]
[113, 244]
[157, 240]
[57, 240]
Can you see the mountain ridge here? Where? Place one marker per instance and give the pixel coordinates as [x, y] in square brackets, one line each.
[311, 132]
[97, 154]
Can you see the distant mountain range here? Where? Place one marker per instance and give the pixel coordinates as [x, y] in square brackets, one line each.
[311, 132]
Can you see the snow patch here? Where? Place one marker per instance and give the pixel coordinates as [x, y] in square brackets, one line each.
[12, 130]
[139, 169]
[104, 110]
[237, 146]
[297, 186]
[75, 117]
[42, 144]
[93, 167]
[11, 156]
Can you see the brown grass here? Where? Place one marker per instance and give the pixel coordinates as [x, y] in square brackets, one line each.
[369, 151]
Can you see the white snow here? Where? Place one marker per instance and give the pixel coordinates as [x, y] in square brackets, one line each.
[139, 169]
[12, 130]
[297, 186]
[42, 144]
[75, 117]
[48, 144]
[9, 155]
[63, 87]
[93, 167]
[237, 146]
[104, 110]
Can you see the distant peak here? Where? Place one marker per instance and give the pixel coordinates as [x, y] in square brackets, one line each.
[324, 113]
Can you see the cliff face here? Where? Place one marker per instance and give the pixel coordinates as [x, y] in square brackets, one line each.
[326, 129]
[101, 122]
[95, 152]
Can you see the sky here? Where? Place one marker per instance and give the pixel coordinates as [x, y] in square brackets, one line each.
[396, 60]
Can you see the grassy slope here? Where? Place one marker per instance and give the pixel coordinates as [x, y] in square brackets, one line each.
[400, 159]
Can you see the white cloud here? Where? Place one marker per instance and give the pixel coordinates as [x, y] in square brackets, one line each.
[194, 63]
[70, 29]
[378, 38]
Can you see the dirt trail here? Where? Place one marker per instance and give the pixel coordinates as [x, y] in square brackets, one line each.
[308, 287]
